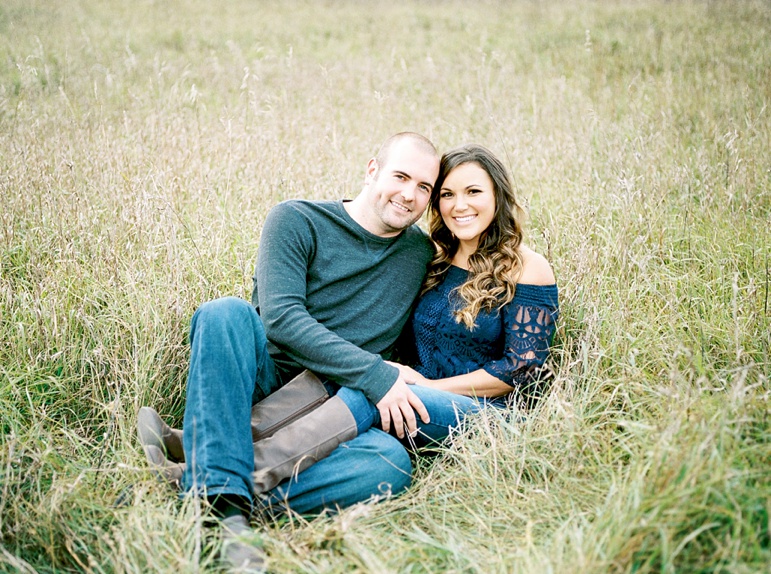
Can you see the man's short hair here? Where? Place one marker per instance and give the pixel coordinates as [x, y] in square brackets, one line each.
[421, 142]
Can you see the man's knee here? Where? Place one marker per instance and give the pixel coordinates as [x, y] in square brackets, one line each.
[224, 308]
[227, 314]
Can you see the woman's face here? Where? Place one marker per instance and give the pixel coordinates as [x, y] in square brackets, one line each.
[467, 203]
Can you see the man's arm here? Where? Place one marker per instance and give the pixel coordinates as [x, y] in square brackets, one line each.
[287, 247]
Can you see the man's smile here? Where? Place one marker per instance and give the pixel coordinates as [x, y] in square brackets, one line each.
[400, 206]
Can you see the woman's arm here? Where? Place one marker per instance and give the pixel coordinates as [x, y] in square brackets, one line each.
[479, 383]
[528, 329]
[476, 384]
[528, 326]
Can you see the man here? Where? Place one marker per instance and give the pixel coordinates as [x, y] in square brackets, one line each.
[333, 287]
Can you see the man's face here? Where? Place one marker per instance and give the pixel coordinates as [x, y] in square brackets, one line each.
[400, 190]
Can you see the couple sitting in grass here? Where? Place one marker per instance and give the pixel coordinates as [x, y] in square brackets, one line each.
[350, 349]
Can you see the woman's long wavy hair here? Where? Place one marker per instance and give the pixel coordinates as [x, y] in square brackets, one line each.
[497, 263]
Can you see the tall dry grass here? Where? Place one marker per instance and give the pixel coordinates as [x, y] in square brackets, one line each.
[141, 145]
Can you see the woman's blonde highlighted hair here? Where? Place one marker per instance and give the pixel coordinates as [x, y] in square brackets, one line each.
[497, 263]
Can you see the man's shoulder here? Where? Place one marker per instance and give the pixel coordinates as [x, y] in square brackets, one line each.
[303, 212]
[306, 206]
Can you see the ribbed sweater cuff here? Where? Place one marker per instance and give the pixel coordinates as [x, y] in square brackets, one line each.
[378, 381]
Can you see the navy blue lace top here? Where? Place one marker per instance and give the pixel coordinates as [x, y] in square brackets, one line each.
[509, 343]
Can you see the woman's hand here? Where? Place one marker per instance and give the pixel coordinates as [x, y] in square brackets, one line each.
[410, 375]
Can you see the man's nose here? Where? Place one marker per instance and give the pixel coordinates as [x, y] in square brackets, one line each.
[408, 191]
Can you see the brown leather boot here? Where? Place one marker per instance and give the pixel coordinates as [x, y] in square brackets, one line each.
[292, 428]
[239, 552]
[153, 431]
[297, 398]
[300, 444]
[166, 471]
[294, 400]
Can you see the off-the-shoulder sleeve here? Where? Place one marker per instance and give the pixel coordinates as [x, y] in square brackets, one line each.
[529, 322]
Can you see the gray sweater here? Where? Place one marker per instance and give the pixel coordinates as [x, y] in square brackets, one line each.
[334, 297]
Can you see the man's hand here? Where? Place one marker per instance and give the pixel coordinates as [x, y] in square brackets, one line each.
[397, 407]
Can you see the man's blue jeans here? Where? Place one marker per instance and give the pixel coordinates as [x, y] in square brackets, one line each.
[230, 370]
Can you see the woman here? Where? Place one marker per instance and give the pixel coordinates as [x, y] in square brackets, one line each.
[485, 319]
[486, 316]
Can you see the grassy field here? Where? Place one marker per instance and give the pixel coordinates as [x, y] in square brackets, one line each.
[142, 143]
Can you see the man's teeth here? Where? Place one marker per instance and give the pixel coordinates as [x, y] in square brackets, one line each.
[400, 206]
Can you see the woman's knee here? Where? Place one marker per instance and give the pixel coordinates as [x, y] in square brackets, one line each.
[445, 408]
[363, 411]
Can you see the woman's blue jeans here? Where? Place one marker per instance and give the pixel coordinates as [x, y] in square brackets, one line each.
[352, 461]
[446, 411]
[230, 370]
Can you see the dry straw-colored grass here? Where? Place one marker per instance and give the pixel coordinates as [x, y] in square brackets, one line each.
[141, 145]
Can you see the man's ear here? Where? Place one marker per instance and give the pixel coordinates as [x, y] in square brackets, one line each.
[372, 168]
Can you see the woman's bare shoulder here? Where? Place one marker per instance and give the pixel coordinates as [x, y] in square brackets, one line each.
[536, 270]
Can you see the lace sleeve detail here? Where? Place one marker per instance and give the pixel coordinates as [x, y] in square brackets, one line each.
[529, 322]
